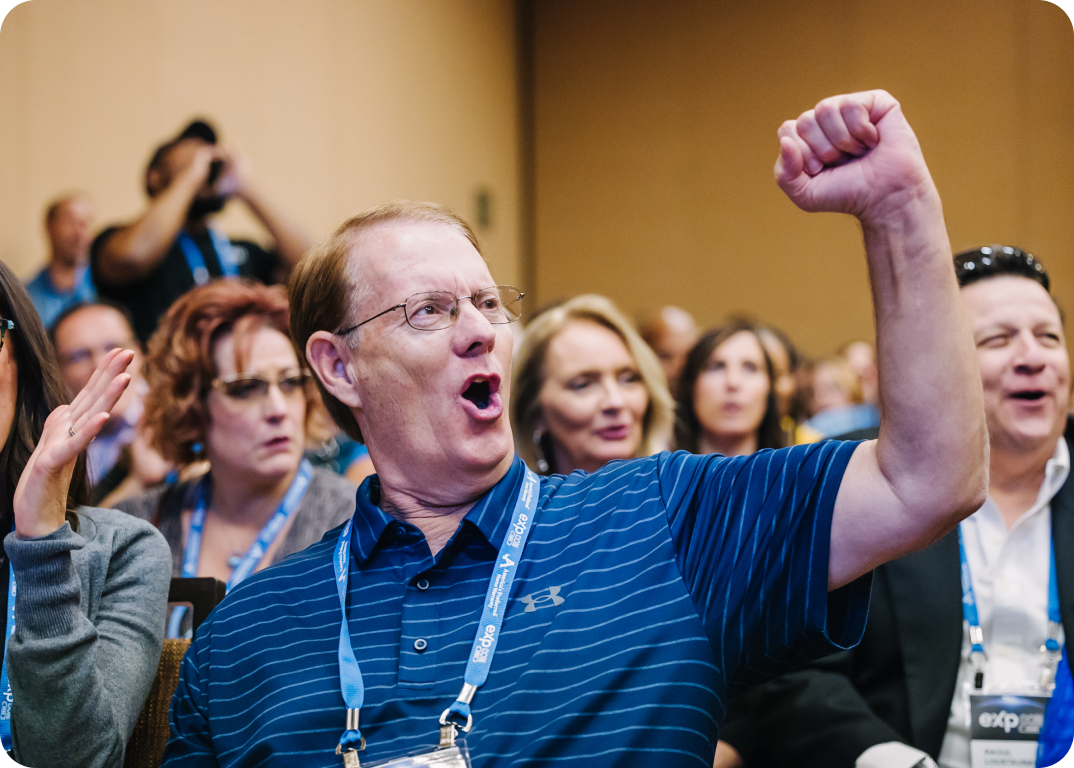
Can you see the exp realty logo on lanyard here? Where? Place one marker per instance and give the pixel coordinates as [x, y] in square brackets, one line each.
[1005, 725]
[225, 254]
[257, 550]
[448, 754]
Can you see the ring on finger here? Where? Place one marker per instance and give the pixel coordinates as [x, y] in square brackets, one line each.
[71, 430]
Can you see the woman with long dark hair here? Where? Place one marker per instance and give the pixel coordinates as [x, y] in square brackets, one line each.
[85, 589]
[727, 398]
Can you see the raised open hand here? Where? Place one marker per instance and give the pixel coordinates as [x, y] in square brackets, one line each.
[852, 154]
[41, 495]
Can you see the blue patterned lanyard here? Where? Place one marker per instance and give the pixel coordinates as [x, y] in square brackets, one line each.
[6, 698]
[488, 629]
[225, 255]
[1050, 649]
[253, 556]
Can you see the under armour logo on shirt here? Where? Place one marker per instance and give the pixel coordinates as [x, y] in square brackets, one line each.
[539, 599]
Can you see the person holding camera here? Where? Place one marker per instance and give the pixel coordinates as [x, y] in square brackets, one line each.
[149, 263]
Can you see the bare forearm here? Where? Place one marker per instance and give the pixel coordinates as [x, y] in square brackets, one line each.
[929, 467]
[857, 154]
[933, 445]
[291, 241]
[137, 249]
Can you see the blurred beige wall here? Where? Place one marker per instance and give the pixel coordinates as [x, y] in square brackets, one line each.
[656, 135]
[339, 105]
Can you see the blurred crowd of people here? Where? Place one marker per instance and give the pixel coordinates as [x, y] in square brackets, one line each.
[732, 389]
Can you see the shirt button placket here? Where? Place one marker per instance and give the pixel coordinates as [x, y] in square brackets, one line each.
[419, 619]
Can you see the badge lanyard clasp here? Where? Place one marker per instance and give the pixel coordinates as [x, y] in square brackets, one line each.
[449, 729]
[350, 753]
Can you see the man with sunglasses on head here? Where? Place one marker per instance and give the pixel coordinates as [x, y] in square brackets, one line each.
[977, 615]
[588, 620]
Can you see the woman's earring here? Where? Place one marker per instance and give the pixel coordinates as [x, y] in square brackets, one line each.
[538, 452]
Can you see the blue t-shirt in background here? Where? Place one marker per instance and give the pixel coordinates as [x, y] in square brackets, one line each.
[648, 594]
[50, 302]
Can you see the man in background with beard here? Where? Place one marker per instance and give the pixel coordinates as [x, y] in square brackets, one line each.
[149, 263]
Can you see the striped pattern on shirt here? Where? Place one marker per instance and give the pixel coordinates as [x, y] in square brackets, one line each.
[647, 593]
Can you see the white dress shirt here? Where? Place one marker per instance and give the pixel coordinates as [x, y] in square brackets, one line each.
[1010, 583]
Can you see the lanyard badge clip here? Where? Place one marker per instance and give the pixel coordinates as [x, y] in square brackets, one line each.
[977, 655]
[449, 729]
[349, 753]
[1052, 653]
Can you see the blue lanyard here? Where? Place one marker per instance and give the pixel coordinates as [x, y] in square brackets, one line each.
[6, 697]
[225, 254]
[485, 640]
[1051, 649]
[253, 556]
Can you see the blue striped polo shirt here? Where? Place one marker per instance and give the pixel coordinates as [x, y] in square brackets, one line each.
[649, 592]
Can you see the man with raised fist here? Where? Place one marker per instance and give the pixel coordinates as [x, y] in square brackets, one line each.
[597, 619]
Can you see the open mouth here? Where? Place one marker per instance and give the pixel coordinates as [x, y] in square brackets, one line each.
[1030, 394]
[479, 393]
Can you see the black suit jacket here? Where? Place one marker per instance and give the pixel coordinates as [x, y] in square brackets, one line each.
[897, 685]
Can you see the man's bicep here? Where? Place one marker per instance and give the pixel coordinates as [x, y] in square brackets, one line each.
[870, 524]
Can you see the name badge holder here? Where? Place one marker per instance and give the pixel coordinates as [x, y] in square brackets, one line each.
[257, 550]
[451, 751]
[1005, 723]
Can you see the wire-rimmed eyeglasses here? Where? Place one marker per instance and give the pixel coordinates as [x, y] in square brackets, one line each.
[255, 386]
[437, 310]
[5, 326]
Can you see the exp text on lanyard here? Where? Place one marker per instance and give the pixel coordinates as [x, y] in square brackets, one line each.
[488, 629]
[6, 698]
[225, 255]
[1050, 650]
[257, 550]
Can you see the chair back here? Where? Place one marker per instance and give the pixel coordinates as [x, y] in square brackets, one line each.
[147, 742]
[146, 745]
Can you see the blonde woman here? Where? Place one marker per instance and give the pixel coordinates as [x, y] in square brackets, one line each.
[587, 390]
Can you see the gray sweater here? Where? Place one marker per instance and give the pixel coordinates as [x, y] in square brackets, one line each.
[89, 624]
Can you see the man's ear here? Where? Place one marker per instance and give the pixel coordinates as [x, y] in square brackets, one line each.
[329, 357]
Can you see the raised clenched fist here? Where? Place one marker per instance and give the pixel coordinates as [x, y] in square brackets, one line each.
[852, 154]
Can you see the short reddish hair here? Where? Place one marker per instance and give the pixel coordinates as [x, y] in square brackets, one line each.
[325, 286]
[181, 364]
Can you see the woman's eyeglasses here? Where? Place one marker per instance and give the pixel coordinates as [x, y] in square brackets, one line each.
[5, 326]
[252, 387]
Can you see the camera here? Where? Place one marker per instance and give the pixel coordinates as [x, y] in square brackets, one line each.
[216, 168]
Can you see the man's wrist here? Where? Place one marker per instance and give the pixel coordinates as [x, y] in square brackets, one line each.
[906, 206]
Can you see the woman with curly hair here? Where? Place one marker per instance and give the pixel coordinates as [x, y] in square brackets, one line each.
[226, 387]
